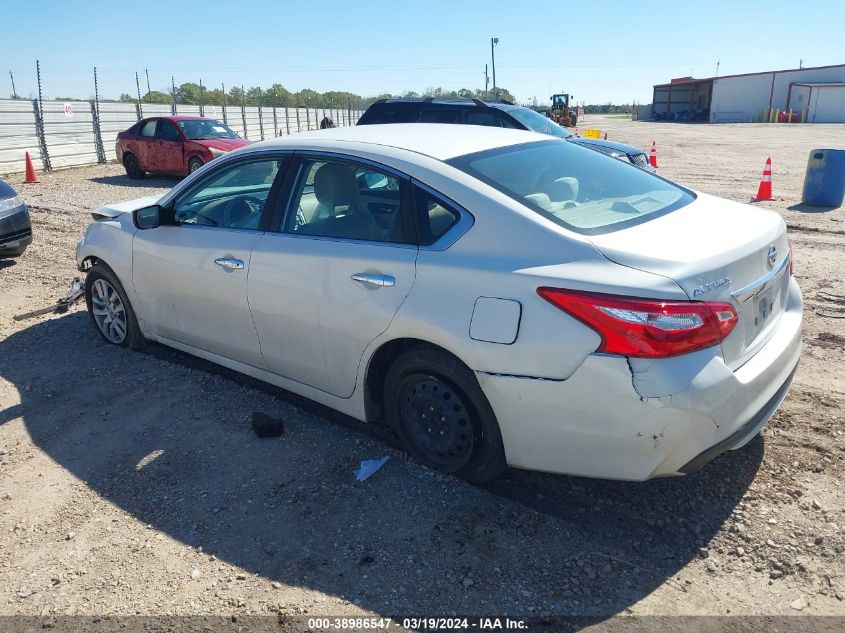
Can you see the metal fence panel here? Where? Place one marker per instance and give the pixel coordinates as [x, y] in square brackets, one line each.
[270, 130]
[187, 110]
[18, 135]
[253, 127]
[212, 112]
[69, 130]
[235, 119]
[115, 118]
[71, 140]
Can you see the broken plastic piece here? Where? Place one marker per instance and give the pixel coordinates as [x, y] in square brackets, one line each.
[369, 467]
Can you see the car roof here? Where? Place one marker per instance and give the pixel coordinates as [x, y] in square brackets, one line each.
[437, 140]
[180, 117]
[457, 101]
[614, 145]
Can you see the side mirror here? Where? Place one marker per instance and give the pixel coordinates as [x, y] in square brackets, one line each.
[147, 217]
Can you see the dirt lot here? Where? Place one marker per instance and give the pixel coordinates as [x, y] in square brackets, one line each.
[131, 483]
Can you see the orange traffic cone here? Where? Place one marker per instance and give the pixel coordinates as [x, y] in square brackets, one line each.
[764, 191]
[31, 176]
[605, 136]
[576, 131]
[652, 158]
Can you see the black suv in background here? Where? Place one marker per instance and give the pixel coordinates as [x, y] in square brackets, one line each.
[492, 113]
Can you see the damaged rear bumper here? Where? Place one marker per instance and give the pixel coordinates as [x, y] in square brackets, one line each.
[617, 419]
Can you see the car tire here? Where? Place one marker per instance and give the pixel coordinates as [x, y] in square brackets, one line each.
[441, 416]
[194, 164]
[133, 167]
[13, 252]
[110, 310]
[574, 118]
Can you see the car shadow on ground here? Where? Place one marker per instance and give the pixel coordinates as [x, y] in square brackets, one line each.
[122, 180]
[166, 438]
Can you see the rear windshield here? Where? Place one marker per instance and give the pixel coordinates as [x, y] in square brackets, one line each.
[585, 191]
[536, 122]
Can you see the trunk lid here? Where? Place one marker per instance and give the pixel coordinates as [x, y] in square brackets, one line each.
[715, 250]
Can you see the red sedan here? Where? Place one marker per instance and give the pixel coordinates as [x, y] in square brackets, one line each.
[174, 144]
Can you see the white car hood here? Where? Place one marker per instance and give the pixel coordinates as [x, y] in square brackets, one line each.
[115, 209]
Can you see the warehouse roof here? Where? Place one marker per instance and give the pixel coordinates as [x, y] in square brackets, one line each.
[692, 80]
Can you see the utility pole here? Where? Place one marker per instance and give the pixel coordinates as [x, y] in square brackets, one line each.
[14, 92]
[146, 70]
[486, 81]
[173, 93]
[717, 67]
[493, 42]
[801, 63]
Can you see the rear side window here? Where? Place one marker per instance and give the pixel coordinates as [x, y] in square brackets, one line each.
[440, 115]
[348, 201]
[149, 128]
[390, 113]
[584, 190]
[483, 117]
[434, 216]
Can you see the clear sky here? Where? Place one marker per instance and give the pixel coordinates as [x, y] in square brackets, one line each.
[599, 51]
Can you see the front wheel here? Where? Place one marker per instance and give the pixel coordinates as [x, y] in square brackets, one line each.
[133, 167]
[438, 411]
[110, 310]
[194, 164]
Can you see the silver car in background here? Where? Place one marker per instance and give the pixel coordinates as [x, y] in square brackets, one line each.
[495, 297]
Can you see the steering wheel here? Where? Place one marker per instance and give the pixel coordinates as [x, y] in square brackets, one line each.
[241, 209]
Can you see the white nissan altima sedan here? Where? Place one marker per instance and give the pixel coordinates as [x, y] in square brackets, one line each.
[495, 297]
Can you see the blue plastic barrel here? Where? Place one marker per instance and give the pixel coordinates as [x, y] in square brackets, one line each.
[824, 184]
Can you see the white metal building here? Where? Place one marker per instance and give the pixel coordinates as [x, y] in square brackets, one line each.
[812, 95]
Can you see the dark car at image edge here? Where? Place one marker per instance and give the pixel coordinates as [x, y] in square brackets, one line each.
[15, 225]
[497, 113]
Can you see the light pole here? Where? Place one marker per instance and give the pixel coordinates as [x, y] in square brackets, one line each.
[493, 42]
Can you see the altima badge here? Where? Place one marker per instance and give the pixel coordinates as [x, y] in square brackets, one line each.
[723, 281]
[772, 257]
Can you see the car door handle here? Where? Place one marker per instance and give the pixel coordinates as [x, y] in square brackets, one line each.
[229, 263]
[374, 280]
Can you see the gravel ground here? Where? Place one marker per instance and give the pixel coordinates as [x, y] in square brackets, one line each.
[131, 483]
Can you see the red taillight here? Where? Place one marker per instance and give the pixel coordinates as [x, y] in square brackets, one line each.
[646, 328]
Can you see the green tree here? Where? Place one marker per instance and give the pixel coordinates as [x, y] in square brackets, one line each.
[235, 96]
[155, 96]
[188, 94]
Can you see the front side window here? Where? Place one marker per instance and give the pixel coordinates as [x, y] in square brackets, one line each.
[583, 190]
[167, 131]
[148, 129]
[348, 201]
[233, 198]
[206, 129]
